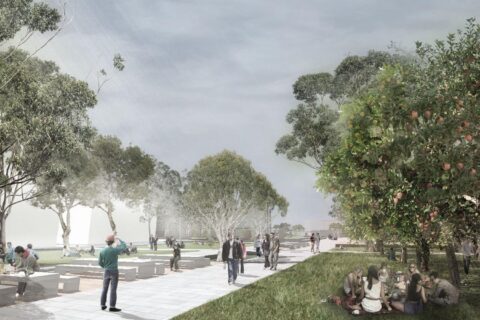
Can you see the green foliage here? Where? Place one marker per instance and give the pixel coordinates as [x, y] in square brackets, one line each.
[310, 87]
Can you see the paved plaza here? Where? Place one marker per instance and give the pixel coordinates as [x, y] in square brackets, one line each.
[157, 298]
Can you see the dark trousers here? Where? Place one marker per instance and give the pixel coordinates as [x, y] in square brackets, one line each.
[466, 264]
[174, 262]
[274, 260]
[242, 269]
[110, 278]
[232, 270]
[21, 288]
[267, 262]
[155, 246]
[259, 252]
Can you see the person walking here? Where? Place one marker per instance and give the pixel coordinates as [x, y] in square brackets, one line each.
[266, 250]
[150, 241]
[244, 255]
[317, 242]
[258, 246]
[275, 252]
[108, 260]
[176, 256]
[467, 249]
[312, 242]
[155, 243]
[231, 252]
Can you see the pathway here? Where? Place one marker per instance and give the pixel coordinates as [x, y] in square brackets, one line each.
[153, 299]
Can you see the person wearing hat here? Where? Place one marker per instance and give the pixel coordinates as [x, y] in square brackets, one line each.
[108, 260]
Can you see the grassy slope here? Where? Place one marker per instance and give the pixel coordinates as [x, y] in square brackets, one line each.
[296, 293]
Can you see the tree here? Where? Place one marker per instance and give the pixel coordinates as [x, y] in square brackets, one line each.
[310, 87]
[80, 171]
[43, 119]
[283, 229]
[122, 175]
[221, 191]
[298, 229]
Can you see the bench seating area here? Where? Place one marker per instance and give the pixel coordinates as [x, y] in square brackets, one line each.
[40, 285]
[127, 273]
[7, 295]
[145, 268]
[184, 263]
[70, 284]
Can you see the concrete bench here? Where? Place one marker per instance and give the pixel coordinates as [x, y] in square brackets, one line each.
[70, 283]
[40, 285]
[145, 267]
[7, 295]
[47, 269]
[159, 268]
[184, 263]
[127, 273]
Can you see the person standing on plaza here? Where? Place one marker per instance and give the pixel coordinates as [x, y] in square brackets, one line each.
[258, 246]
[312, 242]
[244, 255]
[266, 250]
[275, 252]
[108, 260]
[176, 256]
[150, 241]
[231, 252]
[317, 242]
[467, 250]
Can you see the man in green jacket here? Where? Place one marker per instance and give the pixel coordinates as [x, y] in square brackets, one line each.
[108, 260]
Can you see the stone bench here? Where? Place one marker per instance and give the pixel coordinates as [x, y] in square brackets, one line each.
[145, 267]
[159, 268]
[7, 295]
[184, 263]
[40, 285]
[127, 273]
[70, 283]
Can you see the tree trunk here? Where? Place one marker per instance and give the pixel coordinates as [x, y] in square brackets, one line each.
[418, 254]
[425, 246]
[380, 247]
[452, 264]
[112, 223]
[3, 234]
[65, 224]
[404, 255]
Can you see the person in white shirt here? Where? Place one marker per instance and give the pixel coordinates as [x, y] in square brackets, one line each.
[467, 250]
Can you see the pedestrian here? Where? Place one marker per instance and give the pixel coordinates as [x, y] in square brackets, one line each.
[275, 252]
[10, 254]
[391, 254]
[266, 250]
[467, 249]
[150, 241]
[27, 263]
[92, 250]
[258, 246]
[108, 260]
[155, 243]
[32, 252]
[244, 255]
[317, 243]
[312, 242]
[231, 252]
[176, 256]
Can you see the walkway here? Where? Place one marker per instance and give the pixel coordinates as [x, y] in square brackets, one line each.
[153, 299]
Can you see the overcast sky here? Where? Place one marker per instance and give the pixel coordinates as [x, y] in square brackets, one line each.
[206, 75]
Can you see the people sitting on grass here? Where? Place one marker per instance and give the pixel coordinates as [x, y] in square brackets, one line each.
[352, 285]
[443, 293]
[416, 297]
[412, 269]
[374, 293]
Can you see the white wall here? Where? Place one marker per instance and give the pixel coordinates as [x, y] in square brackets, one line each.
[27, 224]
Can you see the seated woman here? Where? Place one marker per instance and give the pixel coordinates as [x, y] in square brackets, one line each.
[416, 297]
[412, 269]
[352, 285]
[374, 292]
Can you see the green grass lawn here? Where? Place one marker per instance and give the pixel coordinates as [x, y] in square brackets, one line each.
[295, 293]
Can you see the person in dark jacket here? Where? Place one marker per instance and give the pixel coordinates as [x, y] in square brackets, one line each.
[176, 256]
[266, 250]
[231, 252]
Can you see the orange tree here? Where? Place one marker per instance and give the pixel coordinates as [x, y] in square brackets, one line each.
[409, 155]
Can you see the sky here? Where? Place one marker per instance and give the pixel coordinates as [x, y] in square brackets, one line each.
[207, 75]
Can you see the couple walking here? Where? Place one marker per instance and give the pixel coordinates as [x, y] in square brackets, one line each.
[233, 252]
[271, 250]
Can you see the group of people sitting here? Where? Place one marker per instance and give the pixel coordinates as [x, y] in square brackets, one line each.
[406, 292]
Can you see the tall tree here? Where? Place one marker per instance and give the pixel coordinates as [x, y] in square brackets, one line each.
[121, 176]
[221, 191]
